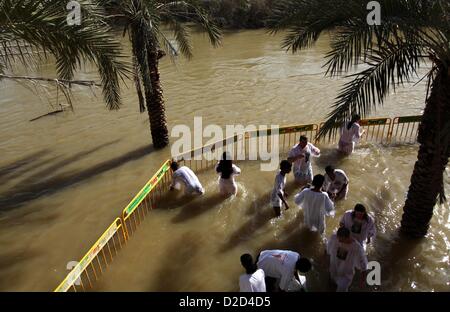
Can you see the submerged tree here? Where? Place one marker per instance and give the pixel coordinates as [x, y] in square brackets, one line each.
[411, 33]
[31, 31]
[144, 22]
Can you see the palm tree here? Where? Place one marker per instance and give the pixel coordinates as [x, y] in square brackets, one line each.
[31, 31]
[412, 33]
[144, 22]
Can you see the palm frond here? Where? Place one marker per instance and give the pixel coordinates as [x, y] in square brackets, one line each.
[32, 30]
[388, 67]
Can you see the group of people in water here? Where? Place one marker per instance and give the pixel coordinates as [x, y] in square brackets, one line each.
[275, 270]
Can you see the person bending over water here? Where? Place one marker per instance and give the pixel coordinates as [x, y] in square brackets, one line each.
[278, 196]
[346, 255]
[336, 183]
[186, 178]
[227, 171]
[301, 155]
[281, 268]
[360, 224]
[254, 279]
[350, 134]
[316, 205]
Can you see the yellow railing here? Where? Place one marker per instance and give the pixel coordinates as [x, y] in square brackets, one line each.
[96, 260]
[146, 199]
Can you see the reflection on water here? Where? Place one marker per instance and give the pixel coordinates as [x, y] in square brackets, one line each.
[64, 178]
[204, 237]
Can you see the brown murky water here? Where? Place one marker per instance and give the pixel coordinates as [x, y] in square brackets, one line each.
[64, 178]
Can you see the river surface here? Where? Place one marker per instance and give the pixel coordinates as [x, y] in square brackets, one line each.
[64, 178]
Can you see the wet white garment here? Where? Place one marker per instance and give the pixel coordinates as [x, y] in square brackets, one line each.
[344, 259]
[302, 167]
[280, 183]
[349, 137]
[334, 186]
[359, 230]
[185, 177]
[229, 186]
[280, 264]
[252, 282]
[315, 205]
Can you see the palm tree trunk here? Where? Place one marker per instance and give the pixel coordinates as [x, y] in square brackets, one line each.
[155, 104]
[427, 181]
[148, 69]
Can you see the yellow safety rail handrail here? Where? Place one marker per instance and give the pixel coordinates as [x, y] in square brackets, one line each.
[89, 257]
[143, 194]
[381, 128]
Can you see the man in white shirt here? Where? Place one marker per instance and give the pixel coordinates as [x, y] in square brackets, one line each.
[346, 255]
[301, 155]
[278, 196]
[254, 279]
[315, 204]
[283, 266]
[360, 224]
[186, 178]
[336, 183]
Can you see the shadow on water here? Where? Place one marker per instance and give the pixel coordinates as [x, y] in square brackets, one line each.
[198, 206]
[179, 255]
[260, 212]
[12, 275]
[37, 186]
[329, 156]
[65, 162]
[393, 252]
[17, 167]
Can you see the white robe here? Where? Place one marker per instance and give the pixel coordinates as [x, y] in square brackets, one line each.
[334, 186]
[303, 172]
[229, 186]
[316, 205]
[280, 264]
[280, 183]
[359, 231]
[349, 137]
[253, 282]
[344, 259]
[185, 177]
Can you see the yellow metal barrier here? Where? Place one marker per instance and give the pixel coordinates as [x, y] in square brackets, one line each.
[95, 260]
[146, 199]
[378, 130]
[240, 144]
[399, 134]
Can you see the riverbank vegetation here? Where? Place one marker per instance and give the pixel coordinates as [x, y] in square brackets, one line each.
[236, 14]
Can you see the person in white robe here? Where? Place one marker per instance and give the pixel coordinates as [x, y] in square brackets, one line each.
[315, 204]
[284, 266]
[346, 255]
[278, 196]
[184, 177]
[360, 224]
[227, 171]
[336, 183]
[350, 135]
[254, 279]
[300, 155]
